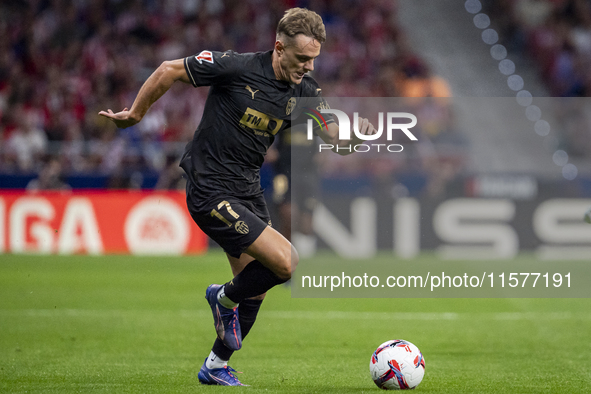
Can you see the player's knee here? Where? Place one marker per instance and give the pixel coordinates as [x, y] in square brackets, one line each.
[284, 272]
[288, 260]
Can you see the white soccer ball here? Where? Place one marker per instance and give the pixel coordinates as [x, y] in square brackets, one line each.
[397, 365]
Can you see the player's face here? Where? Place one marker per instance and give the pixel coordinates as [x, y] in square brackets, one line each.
[297, 58]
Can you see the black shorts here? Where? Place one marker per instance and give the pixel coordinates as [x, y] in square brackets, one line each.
[233, 223]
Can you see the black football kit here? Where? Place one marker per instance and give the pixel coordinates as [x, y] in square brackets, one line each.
[245, 109]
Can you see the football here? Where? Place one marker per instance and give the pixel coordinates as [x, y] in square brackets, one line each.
[397, 365]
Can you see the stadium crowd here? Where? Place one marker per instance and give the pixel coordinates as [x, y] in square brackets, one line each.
[63, 61]
[556, 35]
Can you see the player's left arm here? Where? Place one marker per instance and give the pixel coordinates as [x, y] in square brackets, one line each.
[155, 86]
[330, 135]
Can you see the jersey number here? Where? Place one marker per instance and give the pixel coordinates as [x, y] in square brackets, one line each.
[215, 213]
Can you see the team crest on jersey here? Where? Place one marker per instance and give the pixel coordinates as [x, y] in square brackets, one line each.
[204, 56]
[290, 105]
[241, 227]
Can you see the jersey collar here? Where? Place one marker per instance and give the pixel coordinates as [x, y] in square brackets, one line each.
[267, 61]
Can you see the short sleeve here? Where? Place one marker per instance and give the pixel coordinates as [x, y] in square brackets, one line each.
[210, 67]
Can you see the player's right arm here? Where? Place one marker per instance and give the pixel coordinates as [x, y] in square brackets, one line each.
[155, 86]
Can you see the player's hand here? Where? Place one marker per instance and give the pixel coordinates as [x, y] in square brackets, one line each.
[365, 127]
[121, 119]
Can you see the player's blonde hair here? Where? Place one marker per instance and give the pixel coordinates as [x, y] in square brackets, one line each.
[301, 21]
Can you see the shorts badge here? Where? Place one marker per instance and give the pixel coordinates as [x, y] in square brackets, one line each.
[241, 227]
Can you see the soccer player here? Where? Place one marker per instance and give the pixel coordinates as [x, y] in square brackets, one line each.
[252, 97]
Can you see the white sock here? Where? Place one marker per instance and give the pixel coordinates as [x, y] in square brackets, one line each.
[225, 301]
[213, 361]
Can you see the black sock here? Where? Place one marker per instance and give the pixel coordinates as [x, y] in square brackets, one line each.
[247, 315]
[255, 279]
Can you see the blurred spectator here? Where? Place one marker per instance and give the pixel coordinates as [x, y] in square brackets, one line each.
[26, 143]
[49, 178]
[172, 176]
[416, 80]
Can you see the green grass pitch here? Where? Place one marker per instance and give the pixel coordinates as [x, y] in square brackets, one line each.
[120, 324]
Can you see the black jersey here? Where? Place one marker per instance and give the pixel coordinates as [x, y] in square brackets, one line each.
[246, 107]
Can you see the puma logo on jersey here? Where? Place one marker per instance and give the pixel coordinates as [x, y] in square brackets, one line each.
[251, 91]
[225, 54]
